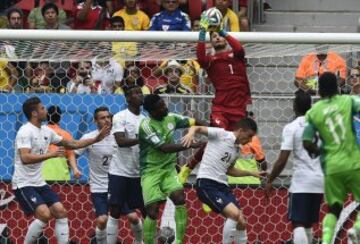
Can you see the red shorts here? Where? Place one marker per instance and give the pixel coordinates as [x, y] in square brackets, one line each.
[224, 120]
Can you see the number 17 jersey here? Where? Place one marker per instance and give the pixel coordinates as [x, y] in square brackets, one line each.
[332, 119]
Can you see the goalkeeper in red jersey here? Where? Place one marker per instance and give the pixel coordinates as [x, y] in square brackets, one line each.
[227, 71]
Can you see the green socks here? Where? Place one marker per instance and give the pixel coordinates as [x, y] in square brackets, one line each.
[329, 224]
[181, 221]
[149, 226]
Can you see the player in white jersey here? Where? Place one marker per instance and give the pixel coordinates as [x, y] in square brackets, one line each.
[124, 179]
[218, 161]
[31, 191]
[107, 75]
[307, 184]
[99, 158]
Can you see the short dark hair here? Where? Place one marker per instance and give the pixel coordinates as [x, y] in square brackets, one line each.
[127, 89]
[100, 109]
[150, 102]
[30, 105]
[247, 124]
[302, 102]
[328, 85]
[48, 6]
[14, 10]
[116, 19]
[54, 114]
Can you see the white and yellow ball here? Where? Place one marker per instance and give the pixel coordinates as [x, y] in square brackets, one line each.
[215, 17]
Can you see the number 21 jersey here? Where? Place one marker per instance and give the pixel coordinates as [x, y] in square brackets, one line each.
[220, 153]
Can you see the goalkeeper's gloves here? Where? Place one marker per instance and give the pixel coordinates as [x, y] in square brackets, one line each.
[184, 174]
[204, 25]
[221, 31]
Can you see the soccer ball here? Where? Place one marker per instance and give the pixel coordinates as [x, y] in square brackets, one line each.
[215, 17]
[166, 235]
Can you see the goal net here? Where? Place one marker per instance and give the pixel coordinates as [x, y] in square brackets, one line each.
[45, 62]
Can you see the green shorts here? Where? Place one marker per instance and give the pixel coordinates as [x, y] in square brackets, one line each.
[337, 186]
[157, 186]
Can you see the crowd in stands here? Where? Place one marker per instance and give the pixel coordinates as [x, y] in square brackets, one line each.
[98, 77]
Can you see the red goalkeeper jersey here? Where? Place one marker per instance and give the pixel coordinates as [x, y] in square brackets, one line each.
[227, 72]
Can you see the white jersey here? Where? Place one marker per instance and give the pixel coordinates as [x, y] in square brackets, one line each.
[108, 75]
[38, 140]
[220, 153]
[126, 159]
[99, 158]
[307, 174]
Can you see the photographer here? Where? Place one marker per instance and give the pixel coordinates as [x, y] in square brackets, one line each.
[82, 83]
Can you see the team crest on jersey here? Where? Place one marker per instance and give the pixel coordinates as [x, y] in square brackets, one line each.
[231, 55]
[170, 126]
[33, 199]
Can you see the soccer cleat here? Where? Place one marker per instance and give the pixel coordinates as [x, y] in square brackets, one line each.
[184, 174]
[206, 208]
[354, 236]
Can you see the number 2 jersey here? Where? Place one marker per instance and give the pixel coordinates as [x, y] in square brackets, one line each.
[332, 119]
[99, 157]
[220, 153]
[227, 72]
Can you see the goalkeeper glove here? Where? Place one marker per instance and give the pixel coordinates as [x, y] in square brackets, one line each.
[184, 174]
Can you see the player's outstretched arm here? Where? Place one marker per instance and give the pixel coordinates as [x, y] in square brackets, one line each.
[232, 171]
[29, 158]
[309, 143]
[171, 148]
[75, 144]
[278, 167]
[201, 48]
[123, 141]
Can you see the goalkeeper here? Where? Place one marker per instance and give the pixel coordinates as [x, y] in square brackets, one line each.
[227, 71]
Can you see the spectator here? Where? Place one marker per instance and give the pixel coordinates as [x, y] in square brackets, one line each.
[15, 19]
[354, 76]
[134, 18]
[82, 82]
[90, 15]
[107, 76]
[195, 25]
[173, 72]
[315, 64]
[36, 19]
[189, 77]
[230, 19]
[243, 15]
[50, 13]
[57, 169]
[132, 76]
[8, 76]
[171, 18]
[36, 86]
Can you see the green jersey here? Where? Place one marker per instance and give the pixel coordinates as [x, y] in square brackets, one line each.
[332, 119]
[152, 135]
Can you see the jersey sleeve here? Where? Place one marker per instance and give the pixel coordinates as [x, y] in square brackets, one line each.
[287, 139]
[183, 121]
[186, 22]
[310, 129]
[54, 138]
[154, 23]
[238, 49]
[23, 139]
[301, 71]
[149, 134]
[118, 124]
[215, 132]
[355, 104]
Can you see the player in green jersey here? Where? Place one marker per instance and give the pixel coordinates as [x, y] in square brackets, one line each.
[157, 165]
[331, 118]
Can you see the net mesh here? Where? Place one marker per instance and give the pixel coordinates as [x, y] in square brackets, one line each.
[271, 71]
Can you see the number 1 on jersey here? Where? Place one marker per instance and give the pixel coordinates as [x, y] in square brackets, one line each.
[231, 69]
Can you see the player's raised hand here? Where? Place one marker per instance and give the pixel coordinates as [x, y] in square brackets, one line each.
[204, 23]
[197, 144]
[189, 138]
[104, 132]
